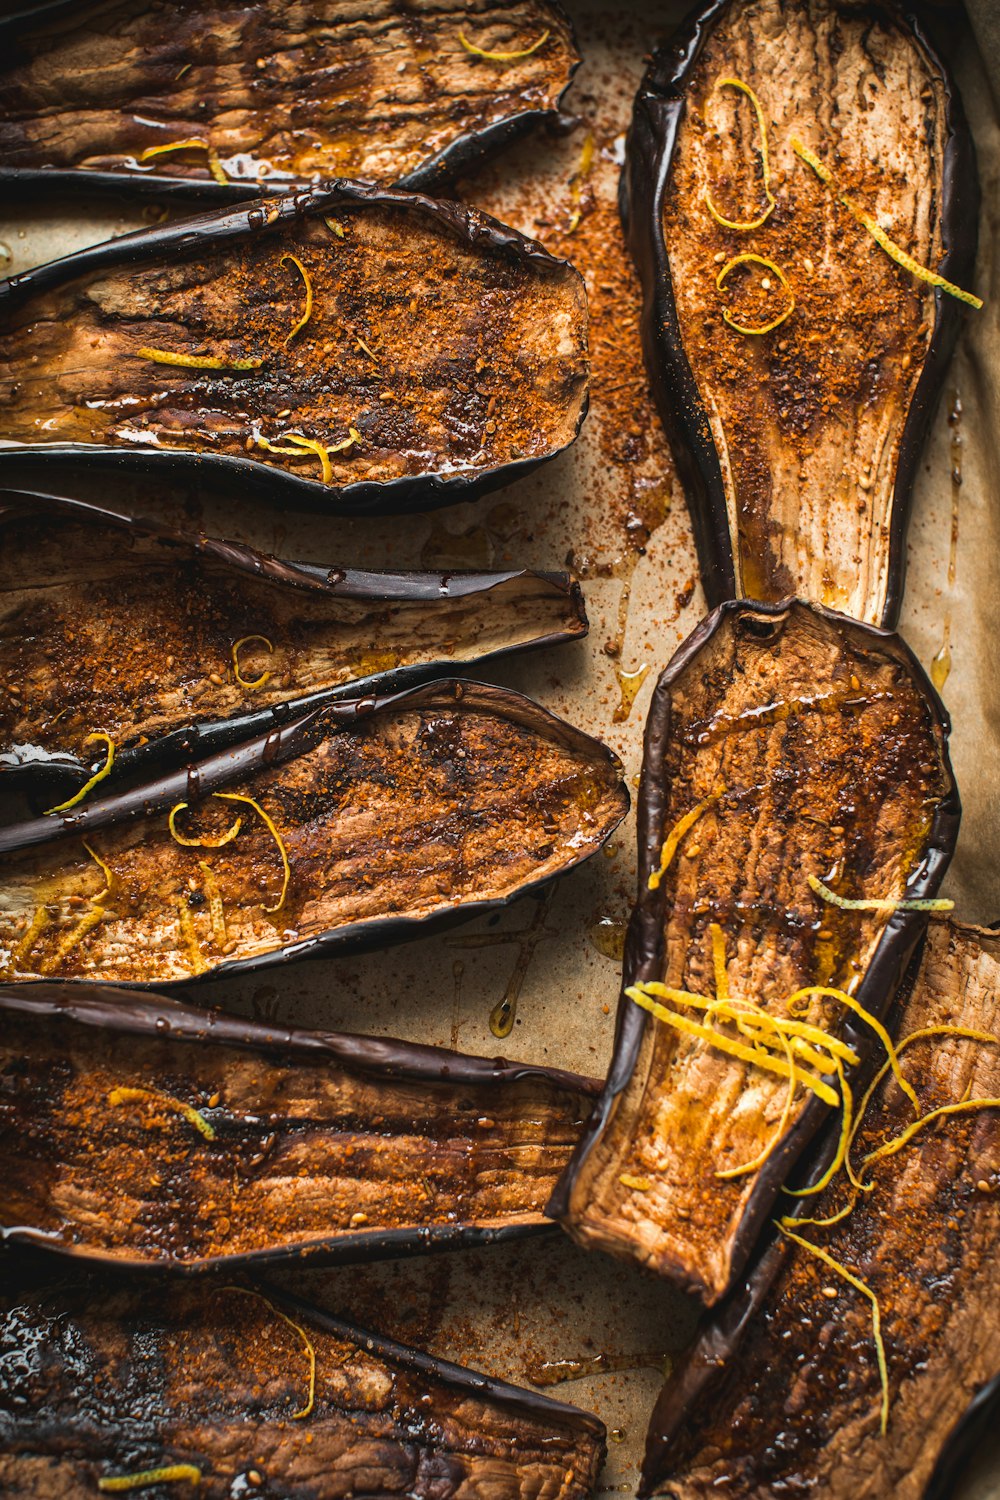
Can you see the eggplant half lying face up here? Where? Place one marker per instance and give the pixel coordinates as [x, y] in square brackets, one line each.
[352, 349]
[361, 822]
[221, 1391]
[223, 99]
[174, 644]
[796, 788]
[794, 173]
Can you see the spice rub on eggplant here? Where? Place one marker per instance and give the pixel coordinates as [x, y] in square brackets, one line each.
[793, 759]
[782, 1392]
[238, 1390]
[141, 1131]
[361, 349]
[356, 824]
[170, 642]
[224, 100]
[796, 359]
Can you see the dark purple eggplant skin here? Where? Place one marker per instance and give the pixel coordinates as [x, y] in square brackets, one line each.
[643, 957]
[44, 781]
[652, 141]
[28, 466]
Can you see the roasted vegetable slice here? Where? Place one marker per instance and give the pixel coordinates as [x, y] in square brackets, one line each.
[225, 100]
[174, 643]
[360, 822]
[782, 1389]
[443, 354]
[798, 412]
[260, 1395]
[138, 1130]
[785, 745]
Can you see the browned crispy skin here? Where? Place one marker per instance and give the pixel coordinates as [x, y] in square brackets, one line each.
[97, 1383]
[794, 1407]
[286, 92]
[825, 748]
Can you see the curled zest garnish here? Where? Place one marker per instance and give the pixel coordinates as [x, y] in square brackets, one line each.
[34, 930]
[193, 1116]
[676, 834]
[200, 843]
[72, 939]
[321, 450]
[889, 1148]
[214, 164]
[887, 907]
[245, 1291]
[503, 56]
[195, 956]
[820, 991]
[769, 265]
[307, 282]
[108, 874]
[737, 83]
[199, 361]
[239, 797]
[247, 682]
[637, 1184]
[170, 1474]
[88, 786]
[878, 234]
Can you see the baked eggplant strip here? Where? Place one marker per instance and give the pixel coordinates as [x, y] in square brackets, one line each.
[359, 823]
[784, 743]
[100, 1381]
[114, 622]
[281, 95]
[414, 354]
[799, 448]
[143, 1132]
[781, 1390]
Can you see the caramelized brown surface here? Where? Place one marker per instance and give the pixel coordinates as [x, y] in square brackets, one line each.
[334, 88]
[807, 419]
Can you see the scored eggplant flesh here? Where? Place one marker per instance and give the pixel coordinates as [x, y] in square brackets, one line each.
[800, 446]
[433, 803]
[815, 746]
[405, 1147]
[443, 354]
[103, 1381]
[781, 1390]
[113, 623]
[282, 95]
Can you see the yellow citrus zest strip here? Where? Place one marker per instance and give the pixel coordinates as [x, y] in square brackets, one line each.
[195, 957]
[769, 265]
[214, 164]
[847, 904]
[198, 361]
[105, 871]
[216, 910]
[36, 927]
[239, 797]
[676, 834]
[171, 1474]
[751, 1019]
[852, 1005]
[88, 786]
[833, 1219]
[503, 56]
[878, 234]
[307, 282]
[637, 1184]
[865, 1289]
[321, 450]
[203, 843]
[335, 227]
[843, 1144]
[304, 1411]
[72, 939]
[167, 1101]
[898, 1142]
[737, 83]
[762, 1156]
[246, 682]
[965, 1032]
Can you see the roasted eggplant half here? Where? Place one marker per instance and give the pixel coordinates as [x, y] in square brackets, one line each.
[224, 101]
[361, 822]
[139, 1131]
[175, 644]
[782, 1392]
[353, 349]
[221, 1391]
[796, 360]
[795, 789]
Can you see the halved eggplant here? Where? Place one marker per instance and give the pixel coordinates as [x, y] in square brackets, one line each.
[139, 1131]
[799, 446]
[243, 1391]
[353, 349]
[784, 744]
[359, 823]
[115, 623]
[781, 1391]
[280, 96]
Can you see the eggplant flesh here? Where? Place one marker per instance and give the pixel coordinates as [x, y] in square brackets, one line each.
[433, 803]
[283, 95]
[443, 354]
[800, 446]
[100, 1382]
[781, 1391]
[405, 1147]
[115, 623]
[817, 747]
